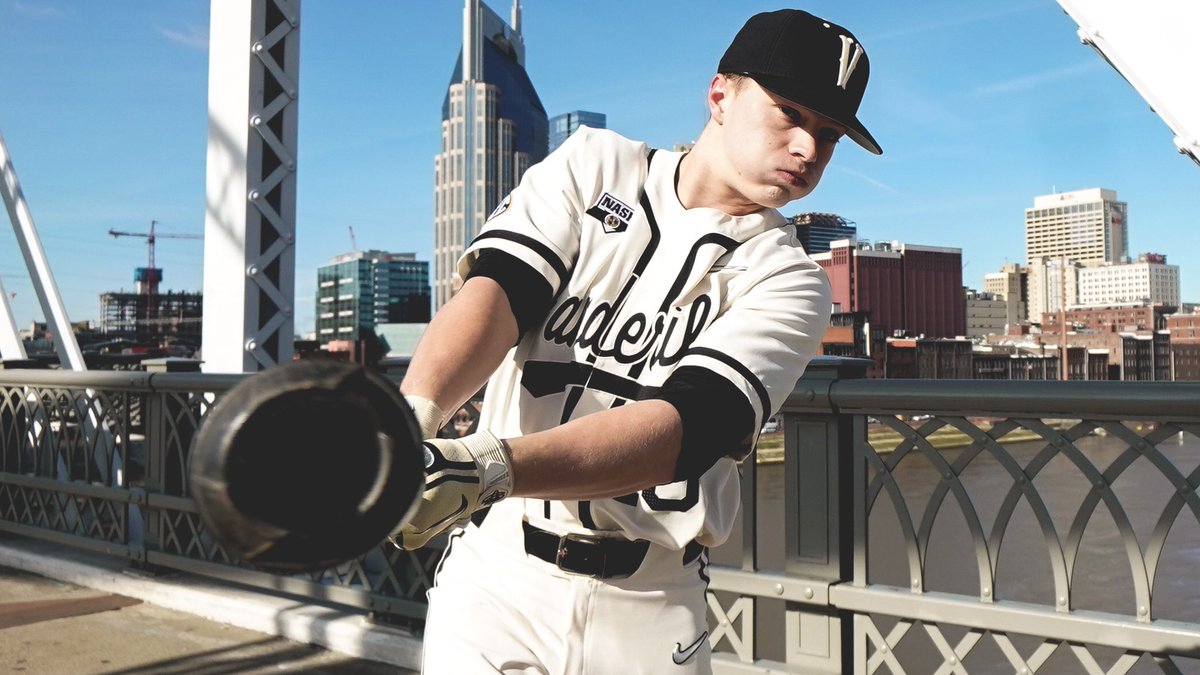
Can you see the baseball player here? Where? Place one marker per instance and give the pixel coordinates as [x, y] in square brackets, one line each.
[637, 315]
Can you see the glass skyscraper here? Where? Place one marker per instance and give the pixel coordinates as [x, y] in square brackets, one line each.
[562, 126]
[494, 127]
[818, 230]
[356, 291]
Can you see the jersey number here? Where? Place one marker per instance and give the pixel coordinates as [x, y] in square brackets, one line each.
[543, 378]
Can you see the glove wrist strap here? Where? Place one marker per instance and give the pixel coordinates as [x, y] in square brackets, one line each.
[495, 466]
[429, 415]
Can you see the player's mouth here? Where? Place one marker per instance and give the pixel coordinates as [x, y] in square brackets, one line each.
[793, 178]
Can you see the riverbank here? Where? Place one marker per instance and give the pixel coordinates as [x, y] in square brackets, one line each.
[885, 439]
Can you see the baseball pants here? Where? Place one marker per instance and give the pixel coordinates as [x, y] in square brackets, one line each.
[494, 609]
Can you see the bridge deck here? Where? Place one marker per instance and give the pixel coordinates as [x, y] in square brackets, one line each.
[171, 624]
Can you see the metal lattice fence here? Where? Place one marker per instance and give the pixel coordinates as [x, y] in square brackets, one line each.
[955, 527]
[919, 526]
[99, 461]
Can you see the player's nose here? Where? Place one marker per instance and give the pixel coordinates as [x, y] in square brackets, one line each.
[803, 145]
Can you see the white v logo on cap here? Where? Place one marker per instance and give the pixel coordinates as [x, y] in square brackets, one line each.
[779, 51]
[845, 70]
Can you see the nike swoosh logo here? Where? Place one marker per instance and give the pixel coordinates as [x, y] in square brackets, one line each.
[681, 654]
[452, 517]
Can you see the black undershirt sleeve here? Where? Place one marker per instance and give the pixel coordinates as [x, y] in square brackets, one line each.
[529, 294]
[718, 420]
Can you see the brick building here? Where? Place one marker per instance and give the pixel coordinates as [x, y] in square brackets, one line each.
[1115, 319]
[1185, 361]
[846, 335]
[939, 359]
[902, 289]
[1184, 328]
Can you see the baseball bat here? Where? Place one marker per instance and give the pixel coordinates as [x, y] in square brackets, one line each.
[307, 465]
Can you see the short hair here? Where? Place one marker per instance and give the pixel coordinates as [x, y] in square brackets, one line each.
[736, 80]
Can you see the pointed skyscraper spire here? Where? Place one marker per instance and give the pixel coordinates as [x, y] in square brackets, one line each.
[494, 127]
[472, 49]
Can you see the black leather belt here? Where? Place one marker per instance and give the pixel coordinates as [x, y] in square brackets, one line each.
[598, 557]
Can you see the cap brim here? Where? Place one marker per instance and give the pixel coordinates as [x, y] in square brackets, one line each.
[859, 134]
[854, 129]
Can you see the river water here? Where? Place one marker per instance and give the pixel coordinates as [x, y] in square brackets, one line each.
[1101, 577]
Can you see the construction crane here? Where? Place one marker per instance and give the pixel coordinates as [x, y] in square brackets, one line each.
[152, 273]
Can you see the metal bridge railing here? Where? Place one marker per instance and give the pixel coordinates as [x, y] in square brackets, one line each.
[98, 460]
[1015, 527]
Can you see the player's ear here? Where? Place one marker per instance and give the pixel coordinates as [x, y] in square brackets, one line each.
[719, 92]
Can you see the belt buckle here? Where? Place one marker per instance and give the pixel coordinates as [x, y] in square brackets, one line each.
[562, 557]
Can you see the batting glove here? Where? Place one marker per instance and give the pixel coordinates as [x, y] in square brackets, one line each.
[462, 475]
[429, 415]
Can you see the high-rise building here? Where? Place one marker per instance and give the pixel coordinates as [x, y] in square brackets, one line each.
[562, 126]
[1150, 280]
[158, 319]
[356, 291]
[1086, 226]
[1052, 286]
[494, 127]
[1010, 284]
[818, 230]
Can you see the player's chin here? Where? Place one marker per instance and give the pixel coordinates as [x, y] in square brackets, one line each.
[777, 196]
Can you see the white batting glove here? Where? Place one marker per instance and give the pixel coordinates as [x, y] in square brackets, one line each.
[462, 475]
[429, 415]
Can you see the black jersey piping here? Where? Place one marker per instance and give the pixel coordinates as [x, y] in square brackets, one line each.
[759, 387]
[727, 242]
[530, 243]
[651, 221]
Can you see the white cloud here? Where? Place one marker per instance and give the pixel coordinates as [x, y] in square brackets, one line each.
[914, 105]
[1035, 80]
[954, 19]
[36, 9]
[193, 36]
[867, 179]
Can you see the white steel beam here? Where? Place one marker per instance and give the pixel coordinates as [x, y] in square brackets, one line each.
[250, 206]
[11, 346]
[1152, 45]
[69, 355]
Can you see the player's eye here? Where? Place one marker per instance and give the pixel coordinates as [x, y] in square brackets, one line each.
[830, 135]
[794, 116]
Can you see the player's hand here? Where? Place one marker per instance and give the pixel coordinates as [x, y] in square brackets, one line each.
[429, 415]
[462, 475]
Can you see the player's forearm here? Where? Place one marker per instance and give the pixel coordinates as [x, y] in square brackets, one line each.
[462, 346]
[606, 454]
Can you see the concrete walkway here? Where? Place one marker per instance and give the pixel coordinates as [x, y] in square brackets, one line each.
[68, 611]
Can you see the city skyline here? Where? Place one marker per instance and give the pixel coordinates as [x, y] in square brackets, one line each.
[979, 110]
[494, 127]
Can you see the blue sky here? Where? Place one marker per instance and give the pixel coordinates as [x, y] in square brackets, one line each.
[979, 107]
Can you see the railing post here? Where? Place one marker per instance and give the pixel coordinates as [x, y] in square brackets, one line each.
[819, 515]
[156, 409]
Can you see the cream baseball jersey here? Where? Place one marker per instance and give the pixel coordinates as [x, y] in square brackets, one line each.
[643, 288]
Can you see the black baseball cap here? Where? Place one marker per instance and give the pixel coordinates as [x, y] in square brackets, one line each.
[808, 60]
